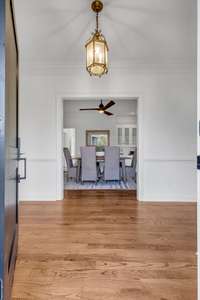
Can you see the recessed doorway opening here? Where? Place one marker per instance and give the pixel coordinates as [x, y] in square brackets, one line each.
[89, 129]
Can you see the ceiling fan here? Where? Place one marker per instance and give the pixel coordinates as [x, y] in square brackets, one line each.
[102, 109]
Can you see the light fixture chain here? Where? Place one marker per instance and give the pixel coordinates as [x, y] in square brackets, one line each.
[97, 22]
[96, 47]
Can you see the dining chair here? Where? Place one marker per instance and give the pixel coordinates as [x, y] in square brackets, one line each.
[112, 163]
[88, 164]
[131, 171]
[72, 170]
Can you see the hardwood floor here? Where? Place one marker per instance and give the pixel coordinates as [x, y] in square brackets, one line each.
[100, 245]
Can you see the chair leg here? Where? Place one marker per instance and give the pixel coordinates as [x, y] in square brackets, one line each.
[135, 178]
[67, 176]
[122, 175]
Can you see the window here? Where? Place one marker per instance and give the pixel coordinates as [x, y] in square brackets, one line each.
[69, 140]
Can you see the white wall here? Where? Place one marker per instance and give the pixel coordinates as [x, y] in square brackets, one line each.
[169, 124]
[87, 120]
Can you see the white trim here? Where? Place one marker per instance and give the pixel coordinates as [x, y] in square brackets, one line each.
[60, 171]
[127, 125]
[140, 120]
[34, 199]
[41, 159]
[137, 65]
[140, 148]
[168, 159]
[164, 201]
[127, 145]
[174, 201]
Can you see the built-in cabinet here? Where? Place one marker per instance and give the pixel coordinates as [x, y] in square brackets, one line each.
[127, 138]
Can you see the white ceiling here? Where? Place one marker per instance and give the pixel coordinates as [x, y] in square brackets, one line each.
[147, 31]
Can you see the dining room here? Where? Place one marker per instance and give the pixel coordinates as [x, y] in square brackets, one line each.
[100, 144]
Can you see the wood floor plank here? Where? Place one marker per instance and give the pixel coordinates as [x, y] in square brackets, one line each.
[98, 245]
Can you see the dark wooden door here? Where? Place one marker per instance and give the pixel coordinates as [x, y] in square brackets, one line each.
[9, 150]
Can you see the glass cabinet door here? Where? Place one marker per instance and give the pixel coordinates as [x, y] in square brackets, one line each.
[127, 135]
[119, 132]
[133, 136]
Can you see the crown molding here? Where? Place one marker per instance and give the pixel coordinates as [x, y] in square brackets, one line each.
[63, 68]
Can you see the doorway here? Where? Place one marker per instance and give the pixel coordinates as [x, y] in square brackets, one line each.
[118, 129]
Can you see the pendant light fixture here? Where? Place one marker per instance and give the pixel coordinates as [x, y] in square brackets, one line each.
[96, 47]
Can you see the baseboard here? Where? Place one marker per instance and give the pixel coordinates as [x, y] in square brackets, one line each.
[37, 199]
[170, 200]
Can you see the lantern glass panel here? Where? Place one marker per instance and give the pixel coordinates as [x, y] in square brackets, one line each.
[89, 53]
[106, 55]
[99, 52]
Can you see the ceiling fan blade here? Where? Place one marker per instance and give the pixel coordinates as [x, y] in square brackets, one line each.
[109, 104]
[108, 113]
[89, 109]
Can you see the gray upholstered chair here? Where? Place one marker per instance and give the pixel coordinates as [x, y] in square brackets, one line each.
[112, 163]
[88, 164]
[72, 170]
[131, 171]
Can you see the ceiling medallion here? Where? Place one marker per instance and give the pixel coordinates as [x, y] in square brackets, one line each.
[96, 47]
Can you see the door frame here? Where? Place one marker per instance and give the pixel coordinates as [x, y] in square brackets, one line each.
[140, 134]
[8, 204]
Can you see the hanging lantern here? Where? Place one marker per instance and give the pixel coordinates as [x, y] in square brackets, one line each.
[97, 48]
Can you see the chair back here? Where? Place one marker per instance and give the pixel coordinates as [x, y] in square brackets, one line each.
[88, 164]
[68, 158]
[112, 163]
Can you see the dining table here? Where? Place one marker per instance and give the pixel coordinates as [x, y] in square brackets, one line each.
[101, 159]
